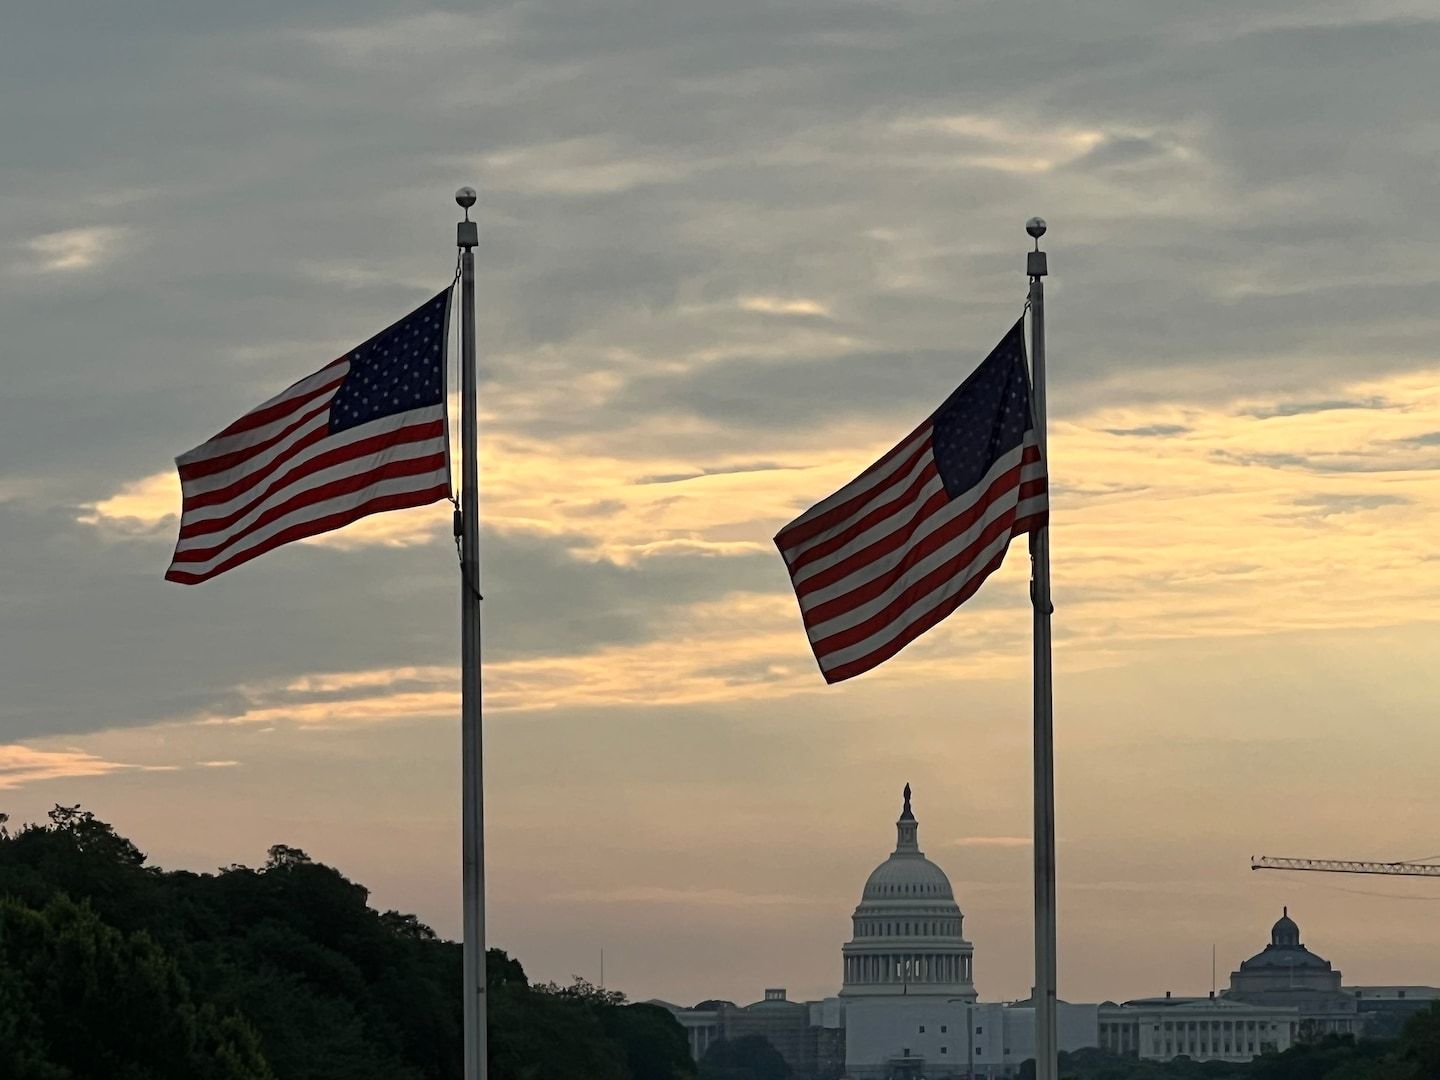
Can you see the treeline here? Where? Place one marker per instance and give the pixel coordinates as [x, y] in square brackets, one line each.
[112, 968]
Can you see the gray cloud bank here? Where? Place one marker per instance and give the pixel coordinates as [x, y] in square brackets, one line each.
[201, 203]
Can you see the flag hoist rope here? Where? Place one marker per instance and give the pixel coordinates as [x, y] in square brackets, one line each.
[467, 236]
[1046, 1043]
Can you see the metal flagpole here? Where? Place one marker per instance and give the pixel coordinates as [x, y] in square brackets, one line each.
[1046, 1047]
[467, 236]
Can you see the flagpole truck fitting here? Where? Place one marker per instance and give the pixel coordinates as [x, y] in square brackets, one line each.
[1035, 260]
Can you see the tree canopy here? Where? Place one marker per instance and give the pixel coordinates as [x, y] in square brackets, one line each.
[750, 1057]
[112, 967]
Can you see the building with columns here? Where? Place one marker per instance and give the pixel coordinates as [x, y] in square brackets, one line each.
[908, 991]
[1285, 974]
[907, 1007]
[908, 971]
[1200, 1028]
[908, 933]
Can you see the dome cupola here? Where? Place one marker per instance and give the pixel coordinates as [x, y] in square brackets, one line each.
[1284, 966]
[1285, 934]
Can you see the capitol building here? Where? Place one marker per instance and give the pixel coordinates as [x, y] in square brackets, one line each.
[909, 933]
[907, 1007]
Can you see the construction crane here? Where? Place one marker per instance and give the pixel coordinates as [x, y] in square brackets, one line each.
[1345, 866]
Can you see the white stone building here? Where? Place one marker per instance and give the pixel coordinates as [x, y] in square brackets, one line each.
[908, 970]
[1200, 1028]
[908, 1009]
[910, 1006]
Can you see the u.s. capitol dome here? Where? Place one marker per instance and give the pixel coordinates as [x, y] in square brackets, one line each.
[909, 933]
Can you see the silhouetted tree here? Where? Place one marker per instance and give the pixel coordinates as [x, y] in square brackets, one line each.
[655, 1045]
[101, 1003]
[751, 1057]
[247, 974]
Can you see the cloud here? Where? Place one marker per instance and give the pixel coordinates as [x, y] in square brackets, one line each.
[21, 765]
[1429, 438]
[394, 42]
[1327, 505]
[713, 470]
[73, 250]
[609, 590]
[1128, 151]
[741, 233]
[1354, 461]
[777, 305]
[140, 507]
[342, 699]
[699, 897]
[1003, 143]
[1149, 431]
[1302, 408]
[581, 167]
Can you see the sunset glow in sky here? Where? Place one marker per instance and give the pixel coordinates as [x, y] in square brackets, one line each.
[729, 254]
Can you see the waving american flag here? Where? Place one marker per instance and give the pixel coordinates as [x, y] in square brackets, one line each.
[363, 434]
[911, 538]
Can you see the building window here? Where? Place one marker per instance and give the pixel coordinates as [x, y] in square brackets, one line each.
[944, 1049]
[979, 1031]
[943, 1029]
[922, 1029]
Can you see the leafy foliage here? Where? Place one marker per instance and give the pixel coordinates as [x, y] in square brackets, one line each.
[750, 1057]
[110, 967]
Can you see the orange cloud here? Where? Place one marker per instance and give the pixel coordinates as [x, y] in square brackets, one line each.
[20, 765]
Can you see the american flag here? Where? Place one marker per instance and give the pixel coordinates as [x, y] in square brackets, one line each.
[912, 537]
[365, 433]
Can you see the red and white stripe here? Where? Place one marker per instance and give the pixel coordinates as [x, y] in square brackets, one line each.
[278, 475]
[890, 554]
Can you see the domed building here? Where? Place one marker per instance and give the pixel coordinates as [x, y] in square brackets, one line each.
[909, 934]
[1286, 973]
[908, 971]
[907, 1007]
[1285, 965]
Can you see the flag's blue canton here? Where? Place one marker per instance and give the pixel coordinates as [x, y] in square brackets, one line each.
[399, 369]
[986, 418]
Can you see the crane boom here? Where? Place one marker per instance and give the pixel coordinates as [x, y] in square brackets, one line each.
[1344, 866]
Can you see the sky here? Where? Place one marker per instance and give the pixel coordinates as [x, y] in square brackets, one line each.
[730, 252]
